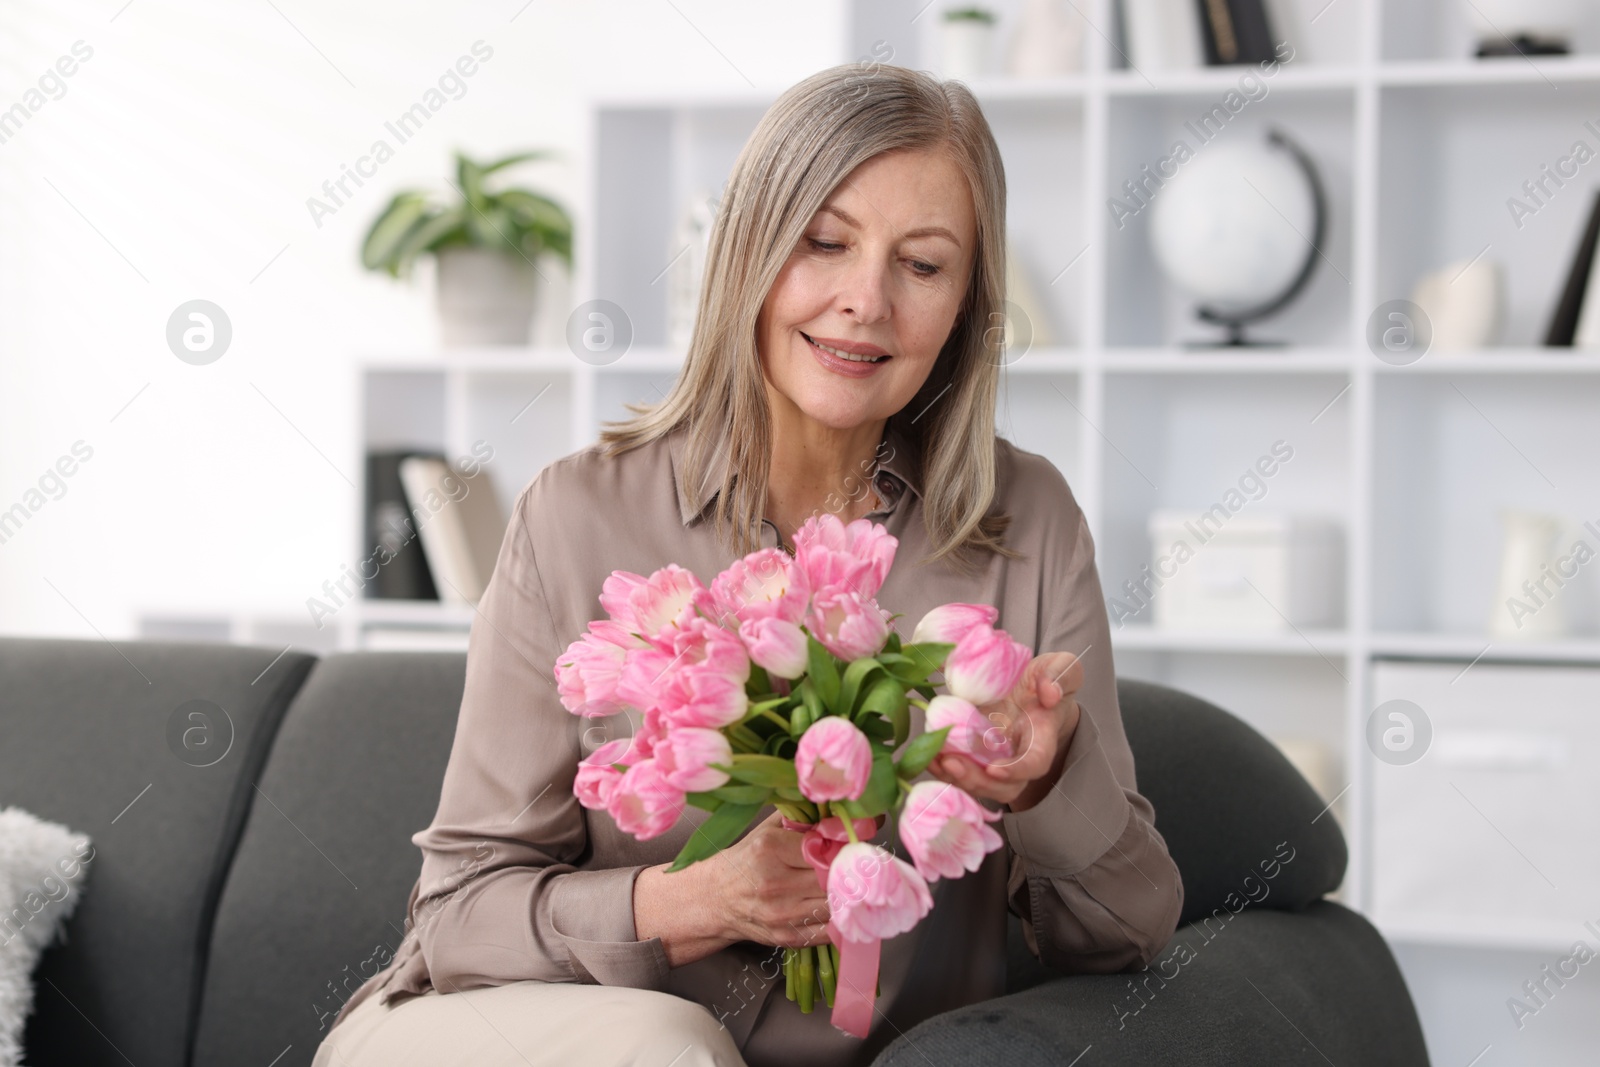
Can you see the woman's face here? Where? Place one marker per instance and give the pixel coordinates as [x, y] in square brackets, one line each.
[881, 271]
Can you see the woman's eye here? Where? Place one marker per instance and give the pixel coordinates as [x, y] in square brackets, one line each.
[927, 270]
[824, 246]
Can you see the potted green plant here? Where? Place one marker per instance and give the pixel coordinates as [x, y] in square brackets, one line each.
[487, 245]
[968, 42]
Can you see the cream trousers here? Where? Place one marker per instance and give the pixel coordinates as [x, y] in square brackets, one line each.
[531, 1024]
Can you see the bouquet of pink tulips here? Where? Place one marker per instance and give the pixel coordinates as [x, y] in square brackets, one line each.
[784, 684]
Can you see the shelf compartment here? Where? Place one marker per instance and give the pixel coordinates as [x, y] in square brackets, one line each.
[1142, 309]
[1453, 162]
[1449, 454]
[1151, 456]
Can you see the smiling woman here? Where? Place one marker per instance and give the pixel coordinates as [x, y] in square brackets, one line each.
[856, 263]
[844, 328]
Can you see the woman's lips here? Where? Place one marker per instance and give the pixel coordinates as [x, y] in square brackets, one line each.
[838, 364]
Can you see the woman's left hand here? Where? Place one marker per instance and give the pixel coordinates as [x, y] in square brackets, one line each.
[1039, 717]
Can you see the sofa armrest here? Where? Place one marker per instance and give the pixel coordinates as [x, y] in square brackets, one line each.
[1313, 986]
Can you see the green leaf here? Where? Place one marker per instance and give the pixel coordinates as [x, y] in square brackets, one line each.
[809, 711]
[758, 682]
[743, 794]
[704, 801]
[823, 671]
[882, 790]
[887, 697]
[715, 834]
[877, 729]
[766, 771]
[919, 752]
[893, 643]
[520, 157]
[403, 214]
[853, 683]
[929, 656]
[444, 228]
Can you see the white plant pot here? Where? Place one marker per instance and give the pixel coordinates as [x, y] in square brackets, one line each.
[486, 297]
[967, 45]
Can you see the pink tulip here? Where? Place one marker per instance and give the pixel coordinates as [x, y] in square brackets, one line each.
[872, 895]
[766, 584]
[949, 624]
[834, 556]
[649, 734]
[655, 608]
[847, 624]
[643, 803]
[985, 665]
[971, 733]
[598, 776]
[615, 597]
[683, 757]
[777, 646]
[588, 674]
[833, 760]
[946, 831]
[701, 683]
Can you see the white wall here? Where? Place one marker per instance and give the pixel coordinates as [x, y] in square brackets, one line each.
[176, 165]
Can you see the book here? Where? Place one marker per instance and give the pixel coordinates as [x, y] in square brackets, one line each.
[1235, 31]
[390, 533]
[1162, 35]
[1564, 322]
[460, 522]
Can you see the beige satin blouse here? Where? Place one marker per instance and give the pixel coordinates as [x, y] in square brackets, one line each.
[519, 882]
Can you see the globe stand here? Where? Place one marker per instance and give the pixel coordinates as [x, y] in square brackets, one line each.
[1236, 321]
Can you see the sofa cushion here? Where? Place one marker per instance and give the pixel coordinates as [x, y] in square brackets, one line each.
[1314, 987]
[1238, 819]
[316, 899]
[110, 740]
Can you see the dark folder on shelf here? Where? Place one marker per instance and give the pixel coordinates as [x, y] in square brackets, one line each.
[391, 530]
[1235, 31]
[1564, 323]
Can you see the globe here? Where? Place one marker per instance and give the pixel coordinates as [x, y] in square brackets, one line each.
[1233, 227]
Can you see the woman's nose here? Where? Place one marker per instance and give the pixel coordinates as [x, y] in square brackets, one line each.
[864, 294]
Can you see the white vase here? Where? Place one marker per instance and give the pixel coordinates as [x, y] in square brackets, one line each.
[1463, 302]
[1522, 608]
[485, 296]
[967, 46]
[1048, 41]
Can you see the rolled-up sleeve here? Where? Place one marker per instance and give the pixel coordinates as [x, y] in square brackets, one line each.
[501, 897]
[1089, 875]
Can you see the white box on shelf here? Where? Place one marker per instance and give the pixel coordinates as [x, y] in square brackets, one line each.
[1472, 837]
[1245, 572]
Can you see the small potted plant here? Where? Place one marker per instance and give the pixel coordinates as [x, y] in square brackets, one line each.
[968, 42]
[486, 243]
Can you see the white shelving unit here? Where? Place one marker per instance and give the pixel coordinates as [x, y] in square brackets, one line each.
[1419, 149]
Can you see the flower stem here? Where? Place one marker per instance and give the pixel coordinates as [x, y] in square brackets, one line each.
[826, 973]
[806, 980]
[849, 828]
[788, 973]
[768, 713]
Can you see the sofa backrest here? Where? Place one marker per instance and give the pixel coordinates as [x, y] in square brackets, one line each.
[108, 740]
[1239, 821]
[316, 897]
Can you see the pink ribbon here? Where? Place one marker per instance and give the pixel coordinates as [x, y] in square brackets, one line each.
[857, 981]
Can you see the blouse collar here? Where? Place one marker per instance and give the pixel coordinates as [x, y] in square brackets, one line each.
[900, 463]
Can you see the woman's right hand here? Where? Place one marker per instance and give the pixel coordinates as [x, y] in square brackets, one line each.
[768, 892]
[758, 889]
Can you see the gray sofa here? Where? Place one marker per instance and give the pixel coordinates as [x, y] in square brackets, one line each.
[240, 892]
